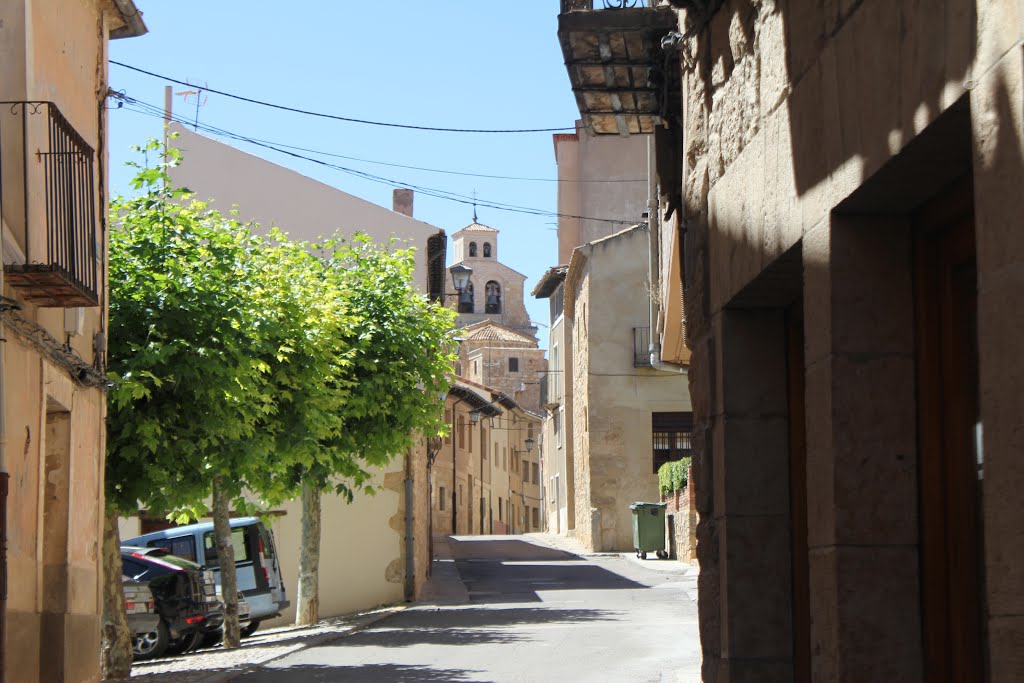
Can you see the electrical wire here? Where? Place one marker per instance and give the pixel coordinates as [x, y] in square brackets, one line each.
[434, 170]
[151, 110]
[336, 117]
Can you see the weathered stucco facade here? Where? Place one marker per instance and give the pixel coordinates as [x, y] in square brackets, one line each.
[613, 398]
[52, 402]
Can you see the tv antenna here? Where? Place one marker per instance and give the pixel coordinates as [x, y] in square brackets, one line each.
[198, 92]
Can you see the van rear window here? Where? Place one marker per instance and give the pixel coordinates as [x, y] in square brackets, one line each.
[268, 542]
[238, 544]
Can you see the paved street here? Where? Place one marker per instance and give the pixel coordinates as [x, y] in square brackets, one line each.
[514, 608]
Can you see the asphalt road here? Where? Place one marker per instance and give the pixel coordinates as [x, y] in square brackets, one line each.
[520, 610]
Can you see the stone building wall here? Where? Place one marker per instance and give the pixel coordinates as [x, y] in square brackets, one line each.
[811, 129]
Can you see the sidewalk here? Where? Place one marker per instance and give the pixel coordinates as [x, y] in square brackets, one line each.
[218, 665]
[571, 545]
[445, 587]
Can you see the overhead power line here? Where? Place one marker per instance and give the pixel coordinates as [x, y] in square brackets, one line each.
[147, 109]
[336, 117]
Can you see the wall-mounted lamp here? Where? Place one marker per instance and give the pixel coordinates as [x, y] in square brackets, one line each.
[530, 443]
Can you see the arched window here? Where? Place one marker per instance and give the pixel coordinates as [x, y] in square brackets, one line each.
[466, 299]
[487, 250]
[493, 293]
[472, 249]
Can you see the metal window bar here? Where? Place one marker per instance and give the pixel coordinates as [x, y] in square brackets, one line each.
[590, 5]
[641, 347]
[65, 273]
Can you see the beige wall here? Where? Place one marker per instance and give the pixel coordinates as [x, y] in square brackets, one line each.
[488, 363]
[273, 195]
[612, 400]
[602, 178]
[361, 554]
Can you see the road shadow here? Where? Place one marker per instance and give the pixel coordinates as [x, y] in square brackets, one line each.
[476, 618]
[371, 673]
[506, 549]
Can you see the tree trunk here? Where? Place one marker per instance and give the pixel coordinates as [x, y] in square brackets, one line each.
[307, 610]
[226, 560]
[116, 644]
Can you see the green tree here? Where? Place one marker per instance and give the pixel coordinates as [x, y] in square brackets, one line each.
[399, 364]
[190, 350]
[256, 368]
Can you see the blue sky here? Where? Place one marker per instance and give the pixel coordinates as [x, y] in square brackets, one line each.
[452, 64]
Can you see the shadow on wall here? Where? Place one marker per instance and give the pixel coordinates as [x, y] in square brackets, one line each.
[861, 78]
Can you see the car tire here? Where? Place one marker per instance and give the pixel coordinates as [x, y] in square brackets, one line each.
[186, 642]
[250, 628]
[151, 645]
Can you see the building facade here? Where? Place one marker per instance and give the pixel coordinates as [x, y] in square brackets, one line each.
[628, 416]
[53, 208]
[492, 487]
[842, 182]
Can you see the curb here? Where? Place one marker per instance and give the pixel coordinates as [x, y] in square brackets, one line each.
[359, 623]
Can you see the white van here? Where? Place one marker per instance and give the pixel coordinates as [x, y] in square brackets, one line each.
[256, 563]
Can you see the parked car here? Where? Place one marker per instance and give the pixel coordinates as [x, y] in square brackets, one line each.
[140, 608]
[213, 628]
[184, 594]
[256, 563]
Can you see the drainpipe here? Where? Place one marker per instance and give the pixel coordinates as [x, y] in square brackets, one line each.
[5, 305]
[653, 261]
[410, 545]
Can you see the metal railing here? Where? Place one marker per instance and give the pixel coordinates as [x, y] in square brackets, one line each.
[590, 5]
[60, 270]
[641, 347]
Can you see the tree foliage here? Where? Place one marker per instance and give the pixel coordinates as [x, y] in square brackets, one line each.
[270, 361]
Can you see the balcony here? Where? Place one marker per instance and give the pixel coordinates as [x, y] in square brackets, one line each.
[624, 82]
[49, 207]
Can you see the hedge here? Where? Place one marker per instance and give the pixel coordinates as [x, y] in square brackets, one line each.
[672, 476]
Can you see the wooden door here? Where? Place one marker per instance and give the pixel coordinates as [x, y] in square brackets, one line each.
[951, 465]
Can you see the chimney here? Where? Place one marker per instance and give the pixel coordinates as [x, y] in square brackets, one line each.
[401, 202]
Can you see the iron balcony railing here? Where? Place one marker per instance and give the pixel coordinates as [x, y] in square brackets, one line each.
[641, 347]
[47, 178]
[589, 5]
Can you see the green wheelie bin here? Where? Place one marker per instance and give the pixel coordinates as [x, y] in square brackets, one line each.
[649, 529]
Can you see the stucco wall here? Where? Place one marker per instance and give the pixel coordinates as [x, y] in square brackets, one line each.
[273, 195]
[602, 177]
[361, 554]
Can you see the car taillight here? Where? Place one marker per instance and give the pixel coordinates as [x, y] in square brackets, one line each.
[266, 575]
[194, 620]
[151, 604]
[129, 605]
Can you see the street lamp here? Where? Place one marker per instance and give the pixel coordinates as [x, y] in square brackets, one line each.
[460, 278]
[530, 443]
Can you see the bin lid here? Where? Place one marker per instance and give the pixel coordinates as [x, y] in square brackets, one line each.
[639, 506]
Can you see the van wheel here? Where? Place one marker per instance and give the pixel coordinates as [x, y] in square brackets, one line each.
[250, 628]
[151, 645]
